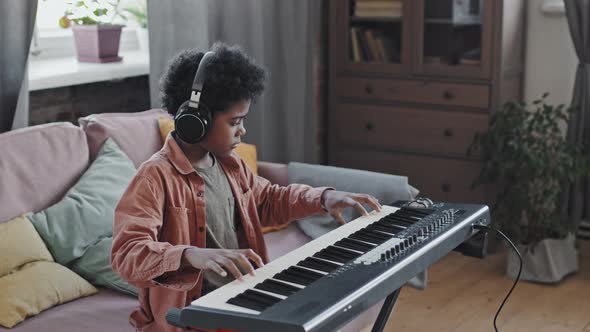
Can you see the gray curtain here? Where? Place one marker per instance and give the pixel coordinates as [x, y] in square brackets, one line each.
[577, 197]
[17, 20]
[284, 36]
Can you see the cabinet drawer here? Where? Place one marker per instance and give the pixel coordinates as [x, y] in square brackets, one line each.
[423, 92]
[441, 179]
[406, 129]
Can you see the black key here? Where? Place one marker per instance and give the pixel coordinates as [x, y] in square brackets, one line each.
[331, 257]
[381, 228]
[345, 254]
[293, 278]
[246, 303]
[277, 287]
[377, 236]
[318, 264]
[400, 221]
[409, 217]
[377, 233]
[362, 237]
[343, 251]
[394, 222]
[389, 225]
[422, 211]
[361, 246]
[417, 212]
[262, 297]
[305, 272]
[351, 246]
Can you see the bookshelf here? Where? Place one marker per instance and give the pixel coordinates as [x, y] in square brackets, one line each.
[412, 81]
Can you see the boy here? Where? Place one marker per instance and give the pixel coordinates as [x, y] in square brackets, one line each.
[190, 221]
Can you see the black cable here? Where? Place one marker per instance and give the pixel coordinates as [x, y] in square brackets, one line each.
[488, 228]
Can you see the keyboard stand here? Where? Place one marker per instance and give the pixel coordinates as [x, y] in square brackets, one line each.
[385, 311]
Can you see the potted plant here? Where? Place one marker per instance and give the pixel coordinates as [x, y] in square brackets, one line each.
[527, 158]
[95, 34]
[139, 13]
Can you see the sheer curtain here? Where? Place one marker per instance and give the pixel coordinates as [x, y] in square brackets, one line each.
[577, 197]
[17, 20]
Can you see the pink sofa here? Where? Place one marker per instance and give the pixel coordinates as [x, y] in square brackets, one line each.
[39, 164]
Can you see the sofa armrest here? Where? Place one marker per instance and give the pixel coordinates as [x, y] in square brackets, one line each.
[274, 172]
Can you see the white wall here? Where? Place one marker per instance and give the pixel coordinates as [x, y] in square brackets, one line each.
[551, 62]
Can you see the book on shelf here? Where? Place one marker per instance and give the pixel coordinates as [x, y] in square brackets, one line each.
[357, 55]
[378, 8]
[372, 45]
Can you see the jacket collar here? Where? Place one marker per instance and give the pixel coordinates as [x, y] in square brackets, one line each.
[179, 160]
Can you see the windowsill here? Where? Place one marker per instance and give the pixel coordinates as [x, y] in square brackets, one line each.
[553, 8]
[67, 71]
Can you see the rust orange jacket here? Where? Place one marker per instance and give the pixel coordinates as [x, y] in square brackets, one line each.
[162, 213]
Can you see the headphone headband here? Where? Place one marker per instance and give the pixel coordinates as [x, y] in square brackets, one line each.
[199, 80]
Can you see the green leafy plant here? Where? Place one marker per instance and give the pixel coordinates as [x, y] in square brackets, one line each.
[528, 159]
[90, 12]
[139, 13]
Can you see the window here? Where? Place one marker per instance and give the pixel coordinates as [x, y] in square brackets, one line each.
[50, 40]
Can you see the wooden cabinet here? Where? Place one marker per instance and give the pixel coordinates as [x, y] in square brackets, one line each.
[412, 81]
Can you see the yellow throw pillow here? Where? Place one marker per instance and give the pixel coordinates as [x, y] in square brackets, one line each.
[20, 244]
[36, 287]
[30, 281]
[166, 126]
[246, 151]
[248, 154]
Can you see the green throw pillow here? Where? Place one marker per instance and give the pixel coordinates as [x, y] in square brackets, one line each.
[77, 224]
[95, 266]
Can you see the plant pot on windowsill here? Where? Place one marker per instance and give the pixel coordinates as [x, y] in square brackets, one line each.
[98, 42]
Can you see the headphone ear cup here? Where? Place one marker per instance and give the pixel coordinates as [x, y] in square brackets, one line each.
[191, 126]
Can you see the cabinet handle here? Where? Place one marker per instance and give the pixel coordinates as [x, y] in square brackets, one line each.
[368, 89]
[445, 187]
[448, 95]
[448, 132]
[369, 126]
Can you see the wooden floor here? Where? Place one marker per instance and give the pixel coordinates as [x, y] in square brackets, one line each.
[464, 293]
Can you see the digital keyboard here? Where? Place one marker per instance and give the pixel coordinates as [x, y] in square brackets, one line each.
[328, 281]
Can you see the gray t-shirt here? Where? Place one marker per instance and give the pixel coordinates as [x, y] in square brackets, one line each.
[220, 219]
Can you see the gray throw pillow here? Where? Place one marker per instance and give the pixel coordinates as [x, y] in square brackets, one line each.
[95, 266]
[387, 188]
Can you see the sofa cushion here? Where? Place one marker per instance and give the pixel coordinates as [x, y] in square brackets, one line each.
[137, 134]
[13, 253]
[86, 213]
[38, 165]
[104, 311]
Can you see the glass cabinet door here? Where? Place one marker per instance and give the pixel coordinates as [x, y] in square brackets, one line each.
[455, 37]
[374, 33]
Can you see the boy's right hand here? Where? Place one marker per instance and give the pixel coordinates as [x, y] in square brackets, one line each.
[221, 260]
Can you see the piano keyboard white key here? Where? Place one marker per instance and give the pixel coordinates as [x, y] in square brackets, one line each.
[218, 298]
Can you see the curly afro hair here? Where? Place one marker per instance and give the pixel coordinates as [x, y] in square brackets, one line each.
[231, 77]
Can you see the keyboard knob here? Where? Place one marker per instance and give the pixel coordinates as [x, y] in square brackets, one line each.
[415, 238]
[411, 240]
[383, 258]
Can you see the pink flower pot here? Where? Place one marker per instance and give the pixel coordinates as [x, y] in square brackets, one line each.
[97, 43]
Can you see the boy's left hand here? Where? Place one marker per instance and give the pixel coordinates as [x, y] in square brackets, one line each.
[334, 201]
